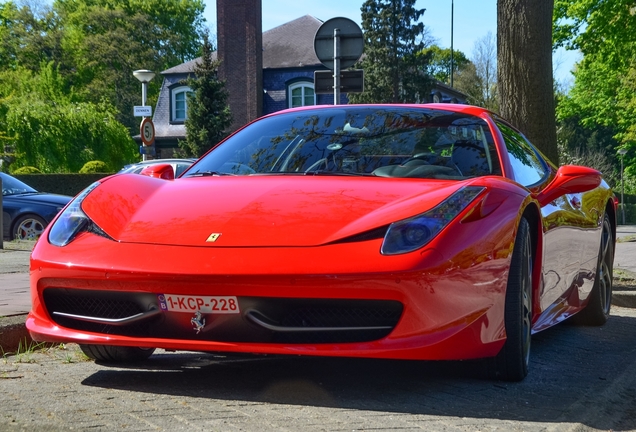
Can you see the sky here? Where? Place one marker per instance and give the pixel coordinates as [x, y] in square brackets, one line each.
[472, 20]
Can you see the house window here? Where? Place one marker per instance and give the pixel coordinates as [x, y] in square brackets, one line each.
[301, 94]
[180, 103]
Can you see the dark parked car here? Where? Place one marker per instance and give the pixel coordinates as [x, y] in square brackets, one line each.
[25, 211]
[178, 165]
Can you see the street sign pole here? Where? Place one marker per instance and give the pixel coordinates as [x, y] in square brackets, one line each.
[144, 91]
[340, 53]
[336, 66]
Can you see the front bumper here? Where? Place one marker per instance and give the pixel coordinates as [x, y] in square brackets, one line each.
[421, 305]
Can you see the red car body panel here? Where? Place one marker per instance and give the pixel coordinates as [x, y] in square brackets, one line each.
[286, 237]
[249, 211]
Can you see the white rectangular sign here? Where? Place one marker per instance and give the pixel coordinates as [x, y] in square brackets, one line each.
[204, 304]
[143, 111]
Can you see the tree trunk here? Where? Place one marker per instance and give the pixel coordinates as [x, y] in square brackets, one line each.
[524, 56]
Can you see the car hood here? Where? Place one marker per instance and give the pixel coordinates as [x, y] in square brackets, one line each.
[257, 211]
[39, 198]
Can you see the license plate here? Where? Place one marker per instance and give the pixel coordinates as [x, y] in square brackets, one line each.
[203, 304]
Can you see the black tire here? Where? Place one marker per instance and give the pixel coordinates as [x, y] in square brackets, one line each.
[511, 364]
[116, 354]
[28, 227]
[597, 311]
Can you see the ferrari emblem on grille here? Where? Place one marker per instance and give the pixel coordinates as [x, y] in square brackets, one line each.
[213, 237]
[197, 322]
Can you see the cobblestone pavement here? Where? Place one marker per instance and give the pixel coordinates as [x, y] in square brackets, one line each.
[581, 378]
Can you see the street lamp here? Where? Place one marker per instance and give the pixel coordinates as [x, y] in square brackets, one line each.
[144, 76]
[622, 152]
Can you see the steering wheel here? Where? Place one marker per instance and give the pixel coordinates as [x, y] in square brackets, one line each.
[424, 157]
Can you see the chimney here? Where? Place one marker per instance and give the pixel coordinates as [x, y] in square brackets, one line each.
[240, 50]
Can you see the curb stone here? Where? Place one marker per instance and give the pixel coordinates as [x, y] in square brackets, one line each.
[13, 334]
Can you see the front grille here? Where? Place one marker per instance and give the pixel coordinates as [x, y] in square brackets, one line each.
[92, 306]
[294, 321]
[341, 317]
[354, 316]
[99, 304]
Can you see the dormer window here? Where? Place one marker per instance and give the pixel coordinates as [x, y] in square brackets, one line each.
[179, 103]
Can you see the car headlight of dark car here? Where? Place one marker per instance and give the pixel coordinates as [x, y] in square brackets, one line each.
[72, 221]
[411, 234]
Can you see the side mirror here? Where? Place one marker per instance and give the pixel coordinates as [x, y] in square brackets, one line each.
[569, 179]
[162, 171]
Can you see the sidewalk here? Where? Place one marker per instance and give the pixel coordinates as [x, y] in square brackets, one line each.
[15, 300]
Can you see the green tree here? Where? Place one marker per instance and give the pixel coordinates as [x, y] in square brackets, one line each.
[173, 28]
[524, 73]
[468, 82]
[602, 101]
[45, 128]
[439, 62]
[29, 35]
[393, 62]
[208, 111]
[108, 39]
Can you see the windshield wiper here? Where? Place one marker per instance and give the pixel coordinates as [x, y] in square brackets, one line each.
[337, 173]
[208, 173]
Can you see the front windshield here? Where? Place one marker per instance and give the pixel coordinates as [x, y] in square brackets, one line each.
[348, 140]
[13, 186]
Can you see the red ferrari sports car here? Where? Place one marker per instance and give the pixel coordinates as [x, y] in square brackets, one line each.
[389, 231]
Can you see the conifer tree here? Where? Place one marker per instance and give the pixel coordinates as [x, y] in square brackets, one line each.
[208, 114]
[393, 63]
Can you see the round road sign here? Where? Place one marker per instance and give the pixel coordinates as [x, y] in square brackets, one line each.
[147, 131]
[351, 42]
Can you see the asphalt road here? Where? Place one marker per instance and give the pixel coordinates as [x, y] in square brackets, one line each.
[581, 378]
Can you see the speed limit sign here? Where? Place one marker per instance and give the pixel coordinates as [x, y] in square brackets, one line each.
[147, 131]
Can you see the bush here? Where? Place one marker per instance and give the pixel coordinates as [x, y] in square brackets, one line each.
[92, 167]
[26, 170]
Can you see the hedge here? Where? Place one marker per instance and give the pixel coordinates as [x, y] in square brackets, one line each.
[64, 184]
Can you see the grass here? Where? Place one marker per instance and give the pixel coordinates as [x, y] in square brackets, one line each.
[19, 245]
[68, 355]
[25, 351]
[627, 239]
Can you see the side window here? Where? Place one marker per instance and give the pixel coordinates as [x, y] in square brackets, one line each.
[527, 166]
[179, 103]
[301, 94]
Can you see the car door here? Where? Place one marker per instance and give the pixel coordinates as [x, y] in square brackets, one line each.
[566, 230]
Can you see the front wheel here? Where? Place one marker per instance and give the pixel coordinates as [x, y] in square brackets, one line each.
[116, 354]
[511, 364]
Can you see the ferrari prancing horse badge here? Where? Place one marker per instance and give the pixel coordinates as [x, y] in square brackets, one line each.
[213, 237]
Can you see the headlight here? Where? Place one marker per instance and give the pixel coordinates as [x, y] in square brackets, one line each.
[413, 233]
[72, 221]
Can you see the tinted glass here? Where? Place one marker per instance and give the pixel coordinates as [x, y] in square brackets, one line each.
[180, 105]
[309, 96]
[13, 186]
[380, 141]
[527, 167]
[297, 97]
